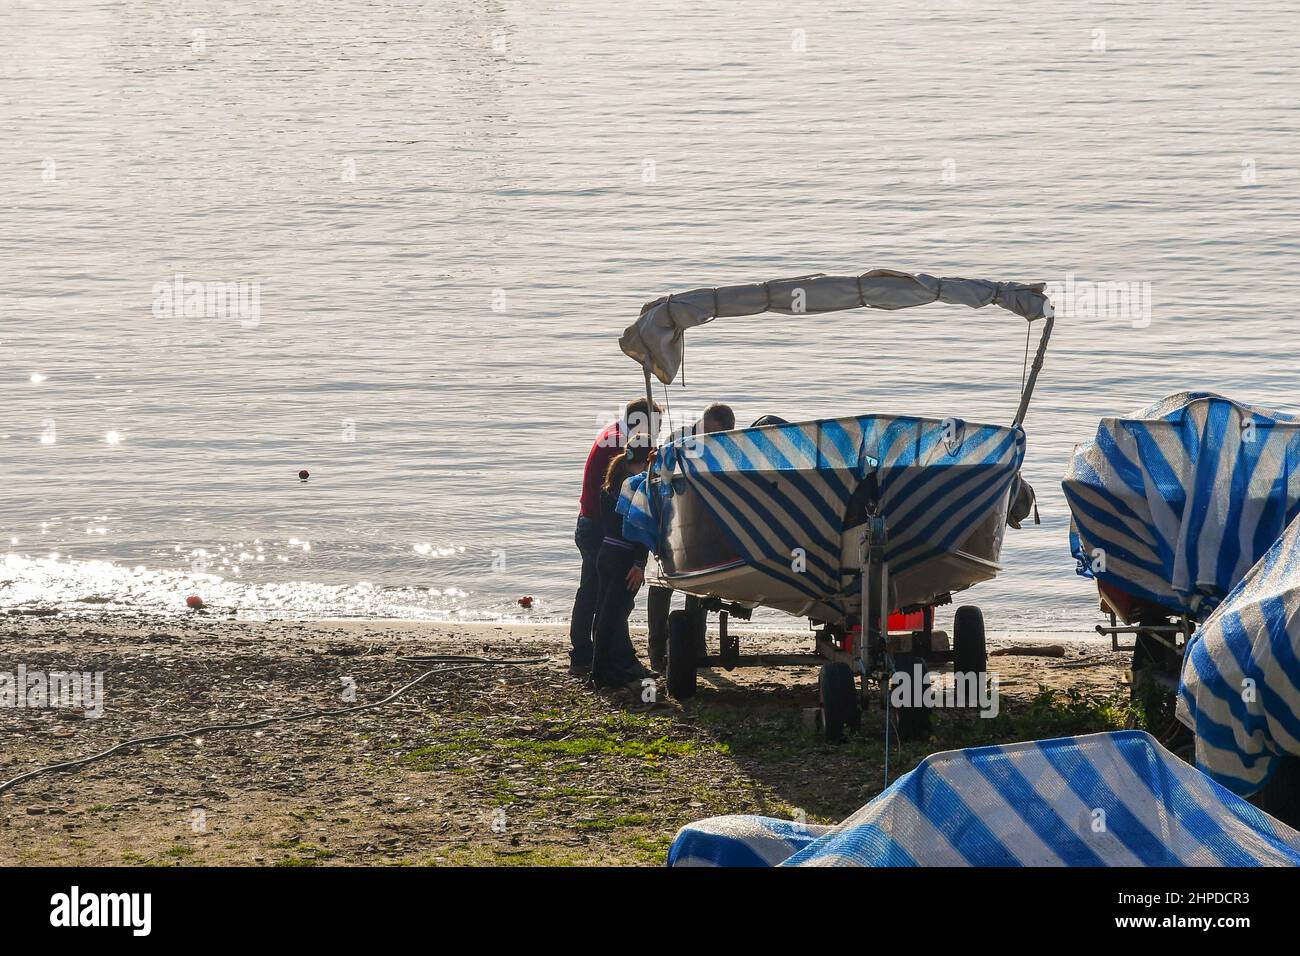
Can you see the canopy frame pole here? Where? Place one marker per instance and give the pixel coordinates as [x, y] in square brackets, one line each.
[1034, 369]
[651, 418]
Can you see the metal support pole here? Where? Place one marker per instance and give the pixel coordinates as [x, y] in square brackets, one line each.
[652, 419]
[871, 551]
[1050, 320]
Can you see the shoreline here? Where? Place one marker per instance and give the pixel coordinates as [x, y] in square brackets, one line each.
[1048, 635]
[501, 765]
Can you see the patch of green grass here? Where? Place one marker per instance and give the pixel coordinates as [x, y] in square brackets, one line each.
[777, 735]
[303, 854]
[436, 756]
[602, 744]
[1049, 713]
[619, 736]
[180, 851]
[605, 824]
[486, 855]
[650, 850]
[558, 793]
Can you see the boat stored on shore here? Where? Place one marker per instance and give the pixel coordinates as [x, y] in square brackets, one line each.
[871, 517]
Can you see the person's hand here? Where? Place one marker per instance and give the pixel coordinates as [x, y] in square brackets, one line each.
[635, 578]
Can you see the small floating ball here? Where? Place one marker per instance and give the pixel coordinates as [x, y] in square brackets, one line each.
[194, 602]
[526, 601]
[304, 475]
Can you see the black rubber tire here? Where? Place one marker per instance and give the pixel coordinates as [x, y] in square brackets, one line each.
[969, 650]
[682, 640]
[839, 701]
[913, 722]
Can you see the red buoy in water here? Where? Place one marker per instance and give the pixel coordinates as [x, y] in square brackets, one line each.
[194, 601]
[526, 601]
[304, 475]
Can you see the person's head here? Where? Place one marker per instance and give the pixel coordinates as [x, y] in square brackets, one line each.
[630, 461]
[718, 418]
[638, 417]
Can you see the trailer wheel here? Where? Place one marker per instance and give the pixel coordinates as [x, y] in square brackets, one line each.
[913, 722]
[969, 651]
[682, 641]
[839, 700]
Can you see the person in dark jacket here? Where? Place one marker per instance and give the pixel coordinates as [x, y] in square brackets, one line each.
[620, 566]
[637, 419]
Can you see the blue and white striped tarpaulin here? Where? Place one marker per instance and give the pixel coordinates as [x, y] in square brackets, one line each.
[1240, 688]
[777, 488]
[741, 840]
[1175, 503]
[1116, 799]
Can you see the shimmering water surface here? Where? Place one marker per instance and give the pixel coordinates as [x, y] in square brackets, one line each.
[451, 209]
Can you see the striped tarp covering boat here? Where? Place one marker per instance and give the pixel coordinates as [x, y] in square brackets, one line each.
[1116, 799]
[741, 840]
[1175, 503]
[1240, 688]
[781, 492]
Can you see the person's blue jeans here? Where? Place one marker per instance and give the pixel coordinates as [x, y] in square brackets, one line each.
[587, 537]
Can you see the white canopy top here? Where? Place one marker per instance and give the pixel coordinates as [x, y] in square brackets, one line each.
[656, 339]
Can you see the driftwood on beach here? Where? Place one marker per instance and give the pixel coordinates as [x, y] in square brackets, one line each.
[1029, 650]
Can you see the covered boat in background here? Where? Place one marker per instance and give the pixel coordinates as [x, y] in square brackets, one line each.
[1173, 505]
[864, 518]
[1170, 508]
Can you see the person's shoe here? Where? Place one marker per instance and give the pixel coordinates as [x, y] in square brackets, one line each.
[659, 665]
[580, 670]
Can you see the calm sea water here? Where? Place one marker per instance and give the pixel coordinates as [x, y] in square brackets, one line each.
[448, 211]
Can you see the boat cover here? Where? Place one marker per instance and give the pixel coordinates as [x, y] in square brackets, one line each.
[1115, 799]
[1240, 687]
[1175, 503]
[656, 338]
[935, 481]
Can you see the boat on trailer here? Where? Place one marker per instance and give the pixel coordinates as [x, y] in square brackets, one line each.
[1170, 508]
[869, 517]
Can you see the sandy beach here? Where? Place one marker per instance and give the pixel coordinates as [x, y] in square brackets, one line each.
[502, 765]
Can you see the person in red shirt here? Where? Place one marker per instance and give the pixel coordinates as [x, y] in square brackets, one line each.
[590, 532]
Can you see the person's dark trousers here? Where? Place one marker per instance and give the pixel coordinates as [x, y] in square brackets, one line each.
[587, 537]
[658, 604]
[613, 659]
